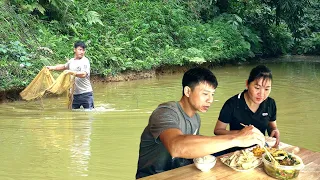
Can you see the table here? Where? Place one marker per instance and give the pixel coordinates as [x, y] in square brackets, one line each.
[310, 159]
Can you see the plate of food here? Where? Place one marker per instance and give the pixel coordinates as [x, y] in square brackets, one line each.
[243, 160]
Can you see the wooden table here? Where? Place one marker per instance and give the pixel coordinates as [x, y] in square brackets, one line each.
[220, 171]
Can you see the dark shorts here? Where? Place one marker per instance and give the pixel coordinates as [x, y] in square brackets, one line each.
[85, 100]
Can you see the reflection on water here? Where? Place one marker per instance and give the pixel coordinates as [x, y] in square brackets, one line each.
[44, 140]
[80, 150]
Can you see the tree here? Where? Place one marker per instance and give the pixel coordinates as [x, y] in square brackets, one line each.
[291, 11]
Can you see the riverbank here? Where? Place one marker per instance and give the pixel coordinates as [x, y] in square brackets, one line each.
[13, 94]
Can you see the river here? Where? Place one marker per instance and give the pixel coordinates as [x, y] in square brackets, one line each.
[44, 140]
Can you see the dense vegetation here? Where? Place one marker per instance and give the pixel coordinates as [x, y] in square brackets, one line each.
[136, 35]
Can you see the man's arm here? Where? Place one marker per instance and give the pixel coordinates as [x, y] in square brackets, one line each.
[61, 67]
[193, 146]
[80, 74]
[58, 67]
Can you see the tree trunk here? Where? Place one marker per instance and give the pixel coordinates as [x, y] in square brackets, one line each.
[278, 14]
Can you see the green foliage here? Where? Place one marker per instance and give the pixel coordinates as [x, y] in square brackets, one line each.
[214, 41]
[204, 10]
[93, 17]
[311, 19]
[137, 35]
[309, 42]
[45, 9]
[13, 63]
[134, 35]
[310, 45]
[268, 35]
[256, 20]
[279, 40]
[14, 50]
[290, 12]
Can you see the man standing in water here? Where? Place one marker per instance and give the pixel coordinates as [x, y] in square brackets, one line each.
[171, 138]
[79, 66]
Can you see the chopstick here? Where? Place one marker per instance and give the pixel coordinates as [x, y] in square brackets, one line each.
[266, 150]
[270, 156]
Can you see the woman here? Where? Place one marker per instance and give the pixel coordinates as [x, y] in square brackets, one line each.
[251, 107]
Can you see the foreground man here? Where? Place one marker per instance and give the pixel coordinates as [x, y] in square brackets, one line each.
[171, 138]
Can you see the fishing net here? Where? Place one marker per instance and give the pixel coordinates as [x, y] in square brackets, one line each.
[44, 83]
[38, 85]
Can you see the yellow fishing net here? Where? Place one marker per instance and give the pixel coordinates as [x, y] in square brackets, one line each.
[44, 83]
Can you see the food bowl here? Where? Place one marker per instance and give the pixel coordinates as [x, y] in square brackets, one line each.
[205, 163]
[282, 171]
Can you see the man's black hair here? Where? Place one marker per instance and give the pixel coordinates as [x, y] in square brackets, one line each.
[80, 43]
[197, 75]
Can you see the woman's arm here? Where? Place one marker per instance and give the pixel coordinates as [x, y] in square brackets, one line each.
[221, 129]
[274, 132]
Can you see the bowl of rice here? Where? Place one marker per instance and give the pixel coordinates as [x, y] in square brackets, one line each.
[205, 163]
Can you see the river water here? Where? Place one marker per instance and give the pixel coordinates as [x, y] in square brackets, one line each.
[44, 140]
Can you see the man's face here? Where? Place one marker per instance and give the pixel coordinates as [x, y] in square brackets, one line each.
[201, 97]
[79, 52]
[259, 90]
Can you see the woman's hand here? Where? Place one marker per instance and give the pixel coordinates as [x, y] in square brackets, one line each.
[275, 133]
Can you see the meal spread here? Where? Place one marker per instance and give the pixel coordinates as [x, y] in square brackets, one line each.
[242, 160]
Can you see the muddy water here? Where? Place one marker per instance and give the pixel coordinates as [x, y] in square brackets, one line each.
[44, 140]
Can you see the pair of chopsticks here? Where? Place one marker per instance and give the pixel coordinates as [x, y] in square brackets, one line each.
[275, 162]
[266, 150]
